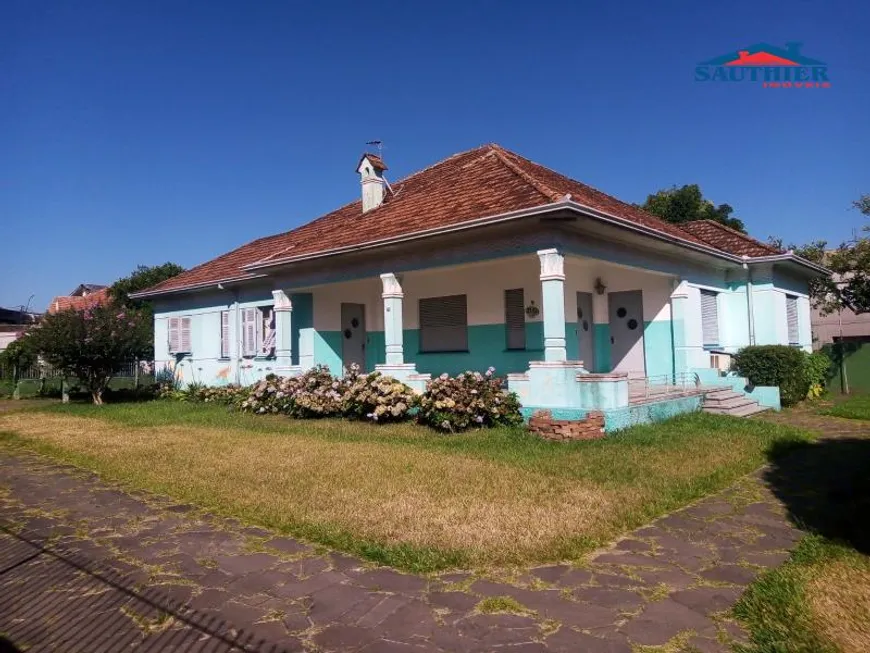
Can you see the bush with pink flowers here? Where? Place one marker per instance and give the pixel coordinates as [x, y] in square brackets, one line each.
[468, 400]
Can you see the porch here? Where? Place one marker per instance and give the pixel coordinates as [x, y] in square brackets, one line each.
[570, 332]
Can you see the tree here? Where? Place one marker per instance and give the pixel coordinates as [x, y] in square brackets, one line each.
[92, 344]
[686, 204]
[141, 278]
[18, 355]
[849, 285]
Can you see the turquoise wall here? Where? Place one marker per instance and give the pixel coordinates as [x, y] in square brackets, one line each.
[658, 346]
[327, 350]
[602, 348]
[486, 348]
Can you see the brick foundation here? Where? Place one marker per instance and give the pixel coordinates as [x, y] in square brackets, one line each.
[544, 426]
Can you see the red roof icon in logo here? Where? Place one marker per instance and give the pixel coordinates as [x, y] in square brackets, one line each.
[760, 59]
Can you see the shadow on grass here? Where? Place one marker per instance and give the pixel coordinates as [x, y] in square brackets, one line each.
[825, 486]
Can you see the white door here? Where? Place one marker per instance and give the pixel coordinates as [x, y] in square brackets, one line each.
[353, 335]
[585, 330]
[626, 332]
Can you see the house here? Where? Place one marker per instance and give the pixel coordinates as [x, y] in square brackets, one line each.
[487, 259]
[85, 295]
[13, 323]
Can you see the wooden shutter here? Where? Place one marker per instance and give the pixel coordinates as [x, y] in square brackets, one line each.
[515, 318]
[444, 323]
[710, 318]
[268, 322]
[249, 331]
[791, 313]
[185, 335]
[225, 334]
[174, 335]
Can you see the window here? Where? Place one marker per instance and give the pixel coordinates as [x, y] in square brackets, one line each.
[179, 335]
[258, 331]
[225, 334]
[515, 318]
[791, 313]
[710, 318]
[444, 323]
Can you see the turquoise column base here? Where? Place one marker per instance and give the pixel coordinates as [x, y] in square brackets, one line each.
[548, 384]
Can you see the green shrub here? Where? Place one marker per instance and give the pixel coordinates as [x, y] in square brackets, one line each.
[468, 400]
[816, 368]
[376, 397]
[775, 365]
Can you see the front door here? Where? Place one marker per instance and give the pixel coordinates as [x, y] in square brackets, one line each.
[626, 332]
[353, 335]
[585, 330]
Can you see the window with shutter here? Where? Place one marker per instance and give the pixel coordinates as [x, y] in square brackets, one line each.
[791, 313]
[515, 318]
[249, 331]
[444, 324]
[710, 318]
[225, 334]
[267, 321]
[174, 335]
[185, 335]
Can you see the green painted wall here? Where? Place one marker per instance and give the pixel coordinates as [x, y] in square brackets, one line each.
[486, 348]
[602, 347]
[327, 350]
[658, 347]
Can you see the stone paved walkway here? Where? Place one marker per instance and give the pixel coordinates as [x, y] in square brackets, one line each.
[667, 582]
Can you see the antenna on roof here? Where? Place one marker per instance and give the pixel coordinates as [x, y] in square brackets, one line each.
[377, 144]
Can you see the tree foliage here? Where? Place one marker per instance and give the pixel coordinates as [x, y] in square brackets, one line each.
[849, 286]
[141, 278]
[18, 355]
[686, 204]
[92, 344]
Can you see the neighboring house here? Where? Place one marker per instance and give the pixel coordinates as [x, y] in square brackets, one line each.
[85, 295]
[13, 323]
[485, 259]
[842, 325]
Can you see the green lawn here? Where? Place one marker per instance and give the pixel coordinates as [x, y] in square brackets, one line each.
[855, 407]
[819, 601]
[402, 494]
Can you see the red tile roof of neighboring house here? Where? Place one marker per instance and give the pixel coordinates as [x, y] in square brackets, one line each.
[479, 183]
[728, 239]
[65, 302]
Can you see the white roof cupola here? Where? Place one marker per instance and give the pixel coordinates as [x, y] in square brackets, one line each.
[371, 175]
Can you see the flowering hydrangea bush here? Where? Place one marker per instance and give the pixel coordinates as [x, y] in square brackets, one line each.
[376, 397]
[271, 395]
[200, 393]
[469, 400]
[316, 394]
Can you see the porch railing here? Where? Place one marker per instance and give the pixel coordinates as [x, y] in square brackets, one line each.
[661, 385]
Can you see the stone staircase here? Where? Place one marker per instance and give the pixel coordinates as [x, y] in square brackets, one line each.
[729, 402]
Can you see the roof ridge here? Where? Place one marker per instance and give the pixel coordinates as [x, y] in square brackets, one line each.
[734, 232]
[502, 155]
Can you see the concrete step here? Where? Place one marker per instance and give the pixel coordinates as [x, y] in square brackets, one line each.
[734, 401]
[741, 411]
[724, 393]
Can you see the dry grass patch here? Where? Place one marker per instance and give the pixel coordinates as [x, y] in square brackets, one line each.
[839, 600]
[402, 495]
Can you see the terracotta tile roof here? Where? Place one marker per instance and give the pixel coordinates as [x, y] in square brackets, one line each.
[479, 183]
[376, 161]
[728, 239]
[64, 302]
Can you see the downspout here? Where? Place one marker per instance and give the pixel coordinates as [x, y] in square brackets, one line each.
[749, 304]
[237, 330]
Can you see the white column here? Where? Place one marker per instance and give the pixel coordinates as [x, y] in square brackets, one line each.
[553, 301]
[393, 335]
[283, 329]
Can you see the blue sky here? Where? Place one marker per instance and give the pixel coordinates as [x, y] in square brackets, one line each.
[144, 132]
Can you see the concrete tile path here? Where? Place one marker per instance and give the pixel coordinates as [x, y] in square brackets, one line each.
[87, 567]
